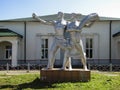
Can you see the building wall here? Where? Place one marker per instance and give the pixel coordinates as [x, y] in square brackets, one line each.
[99, 31]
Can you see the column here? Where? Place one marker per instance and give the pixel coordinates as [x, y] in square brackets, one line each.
[116, 49]
[14, 53]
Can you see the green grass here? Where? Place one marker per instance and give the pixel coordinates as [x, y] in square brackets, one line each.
[99, 81]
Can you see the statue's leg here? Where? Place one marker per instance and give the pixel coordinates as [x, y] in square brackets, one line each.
[83, 59]
[67, 60]
[79, 47]
[83, 56]
[69, 63]
[52, 53]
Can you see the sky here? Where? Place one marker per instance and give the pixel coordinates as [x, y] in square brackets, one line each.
[12, 9]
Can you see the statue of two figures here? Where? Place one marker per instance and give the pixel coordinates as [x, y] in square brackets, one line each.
[73, 45]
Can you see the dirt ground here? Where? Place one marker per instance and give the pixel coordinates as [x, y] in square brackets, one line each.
[19, 72]
[107, 73]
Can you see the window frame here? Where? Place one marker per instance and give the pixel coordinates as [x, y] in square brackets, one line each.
[44, 48]
[8, 52]
[89, 47]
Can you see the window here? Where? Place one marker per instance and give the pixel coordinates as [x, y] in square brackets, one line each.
[8, 52]
[44, 49]
[89, 47]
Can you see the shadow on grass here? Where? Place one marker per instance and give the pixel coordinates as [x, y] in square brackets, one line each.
[36, 84]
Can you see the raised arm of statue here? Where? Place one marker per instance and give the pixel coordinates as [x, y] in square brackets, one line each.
[41, 20]
[89, 19]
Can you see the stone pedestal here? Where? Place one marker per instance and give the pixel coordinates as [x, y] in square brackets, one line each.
[58, 75]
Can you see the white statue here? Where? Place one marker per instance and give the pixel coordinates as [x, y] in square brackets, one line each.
[59, 41]
[72, 47]
[74, 28]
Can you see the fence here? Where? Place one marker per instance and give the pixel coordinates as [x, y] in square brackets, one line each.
[109, 67]
[29, 67]
[101, 65]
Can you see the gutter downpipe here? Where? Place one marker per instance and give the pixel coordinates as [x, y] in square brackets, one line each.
[24, 41]
[110, 30]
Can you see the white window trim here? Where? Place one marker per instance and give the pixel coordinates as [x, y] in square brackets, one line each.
[39, 37]
[50, 37]
[95, 37]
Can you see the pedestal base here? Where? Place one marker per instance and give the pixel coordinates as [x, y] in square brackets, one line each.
[58, 75]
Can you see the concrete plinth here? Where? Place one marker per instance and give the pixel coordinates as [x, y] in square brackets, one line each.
[58, 75]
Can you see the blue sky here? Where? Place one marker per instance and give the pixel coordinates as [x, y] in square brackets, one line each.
[10, 9]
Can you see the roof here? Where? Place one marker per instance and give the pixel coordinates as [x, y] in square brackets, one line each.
[8, 33]
[67, 16]
[116, 34]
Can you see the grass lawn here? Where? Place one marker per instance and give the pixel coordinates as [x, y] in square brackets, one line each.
[31, 81]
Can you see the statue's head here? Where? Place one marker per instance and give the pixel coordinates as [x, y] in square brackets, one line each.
[33, 15]
[60, 14]
[74, 16]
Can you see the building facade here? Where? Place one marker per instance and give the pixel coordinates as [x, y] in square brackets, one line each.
[27, 40]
